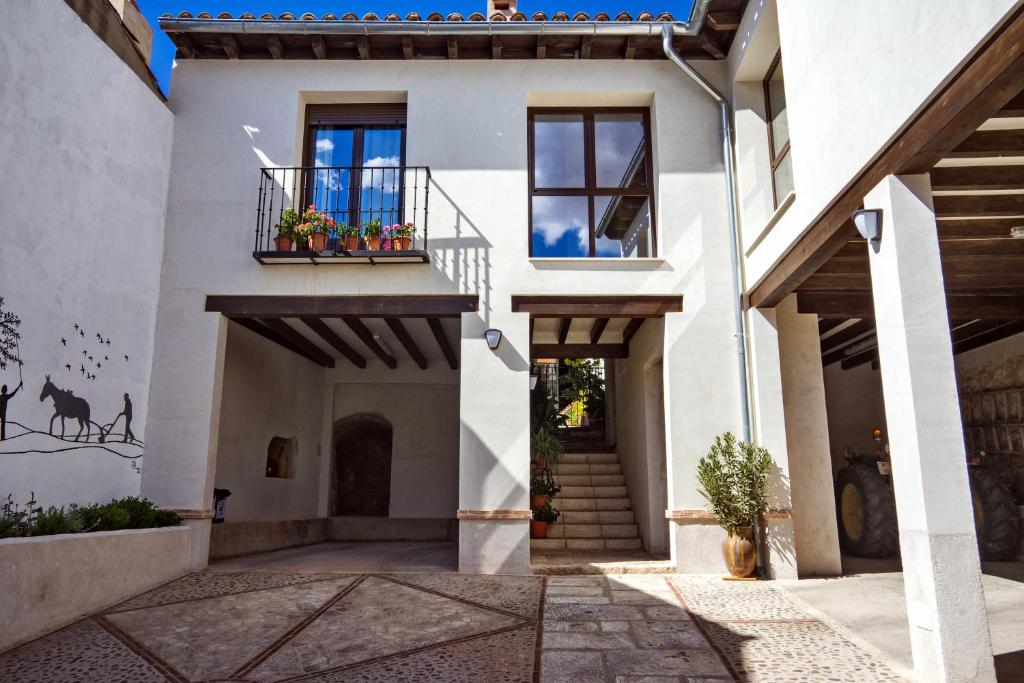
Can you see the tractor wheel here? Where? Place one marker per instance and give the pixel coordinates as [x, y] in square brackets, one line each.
[867, 512]
[996, 520]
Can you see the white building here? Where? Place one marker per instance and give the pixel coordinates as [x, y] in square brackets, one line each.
[570, 188]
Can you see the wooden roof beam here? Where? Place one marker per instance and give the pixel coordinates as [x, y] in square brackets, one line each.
[407, 341]
[990, 143]
[230, 46]
[723, 21]
[363, 47]
[319, 47]
[185, 46]
[579, 351]
[542, 47]
[274, 47]
[272, 336]
[846, 305]
[563, 329]
[408, 49]
[577, 306]
[495, 47]
[453, 47]
[598, 329]
[330, 336]
[308, 348]
[363, 332]
[442, 342]
[631, 329]
[586, 45]
[630, 52]
[299, 306]
[978, 178]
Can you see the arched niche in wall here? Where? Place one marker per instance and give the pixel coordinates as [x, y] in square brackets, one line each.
[281, 454]
[361, 466]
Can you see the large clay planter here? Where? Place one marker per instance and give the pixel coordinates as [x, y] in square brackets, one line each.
[739, 552]
[538, 529]
[351, 243]
[373, 243]
[318, 241]
[283, 243]
[402, 244]
[539, 501]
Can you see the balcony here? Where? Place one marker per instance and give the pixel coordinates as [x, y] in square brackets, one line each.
[359, 202]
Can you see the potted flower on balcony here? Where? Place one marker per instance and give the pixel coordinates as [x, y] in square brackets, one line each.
[543, 515]
[402, 235]
[371, 230]
[350, 236]
[286, 230]
[315, 227]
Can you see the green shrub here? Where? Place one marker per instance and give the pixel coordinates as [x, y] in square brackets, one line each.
[14, 523]
[166, 518]
[733, 478]
[109, 517]
[141, 512]
[56, 520]
[130, 512]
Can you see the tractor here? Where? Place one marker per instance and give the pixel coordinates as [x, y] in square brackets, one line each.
[866, 507]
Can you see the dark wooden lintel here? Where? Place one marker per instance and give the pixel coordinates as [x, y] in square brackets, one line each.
[652, 306]
[579, 351]
[407, 341]
[443, 343]
[287, 306]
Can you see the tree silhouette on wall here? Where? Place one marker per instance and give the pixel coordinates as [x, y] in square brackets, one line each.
[9, 337]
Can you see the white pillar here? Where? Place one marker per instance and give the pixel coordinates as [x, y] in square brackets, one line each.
[810, 461]
[949, 631]
[769, 431]
[494, 445]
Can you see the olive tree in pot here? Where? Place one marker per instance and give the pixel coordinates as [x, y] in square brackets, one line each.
[733, 477]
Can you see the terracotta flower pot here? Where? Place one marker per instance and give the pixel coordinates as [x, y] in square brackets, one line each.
[351, 243]
[538, 529]
[318, 241]
[283, 243]
[402, 243]
[739, 552]
[539, 501]
[373, 243]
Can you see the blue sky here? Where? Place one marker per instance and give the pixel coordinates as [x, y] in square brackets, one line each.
[163, 49]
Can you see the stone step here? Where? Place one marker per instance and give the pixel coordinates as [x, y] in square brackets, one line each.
[560, 530]
[593, 492]
[590, 459]
[586, 544]
[590, 480]
[596, 517]
[563, 503]
[585, 468]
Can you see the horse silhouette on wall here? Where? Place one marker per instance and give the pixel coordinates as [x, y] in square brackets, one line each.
[66, 406]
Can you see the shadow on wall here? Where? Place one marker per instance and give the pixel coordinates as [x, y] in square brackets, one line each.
[782, 547]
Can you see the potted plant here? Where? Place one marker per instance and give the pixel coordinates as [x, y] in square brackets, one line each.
[402, 236]
[286, 230]
[350, 236]
[543, 515]
[315, 227]
[733, 477]
[545, 448]
[371, 230]
[542, 486]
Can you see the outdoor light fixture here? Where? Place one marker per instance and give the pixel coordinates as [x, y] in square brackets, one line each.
[534, 376]
[1017, 232]
[493, 338]
[869, 225]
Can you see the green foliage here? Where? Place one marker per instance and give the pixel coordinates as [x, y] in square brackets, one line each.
[166, 518]
[56, 520]
[542, 483]
[289, 222]
[545, 421]
[109, 517]
[14, 523]
[372, 227]
[125, 513]
[582, 383]
[545, 513]
[141, 512]
[545, 447]
[346, 230]
[733, 477]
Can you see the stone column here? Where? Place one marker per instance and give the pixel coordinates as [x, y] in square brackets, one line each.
[768, 427]
[941, 573]
[184, 415]
[810, 462]
[494, 445]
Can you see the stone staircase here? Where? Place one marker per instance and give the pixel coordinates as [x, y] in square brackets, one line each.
[595, 506]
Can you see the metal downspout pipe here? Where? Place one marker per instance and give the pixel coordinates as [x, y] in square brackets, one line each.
[730, 181]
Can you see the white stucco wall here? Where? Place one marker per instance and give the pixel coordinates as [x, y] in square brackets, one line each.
[855, 73]
[84, 162]
[268, 392]
[467, 121]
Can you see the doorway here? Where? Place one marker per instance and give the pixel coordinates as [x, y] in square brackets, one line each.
[361, 472]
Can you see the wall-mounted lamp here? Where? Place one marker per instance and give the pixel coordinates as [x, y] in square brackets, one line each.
[534, 376]
[869, 225]
[493, 338]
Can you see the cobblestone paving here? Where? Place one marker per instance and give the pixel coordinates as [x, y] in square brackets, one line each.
[330, 628]
[656, 629]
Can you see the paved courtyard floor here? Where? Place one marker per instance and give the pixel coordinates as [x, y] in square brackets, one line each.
[299, 626]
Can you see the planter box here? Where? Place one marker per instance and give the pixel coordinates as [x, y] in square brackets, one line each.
[51, 581]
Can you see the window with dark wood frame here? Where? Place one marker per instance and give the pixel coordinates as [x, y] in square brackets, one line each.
[591, 182]
[353, 155]
[778, 131]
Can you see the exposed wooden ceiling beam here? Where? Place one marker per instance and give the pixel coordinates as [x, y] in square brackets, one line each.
[958, 228]
[999, 248]
[630, 52]
[723, 21]
[363, 47]
[846, 335]
[993, 335]
[407, 341]
[579, 351]
[597, 306]
[184, 44]
[586, 44]
[542, 48]
[366, 336]
[982, 86]
[230, 46]
[990, 143]
[963, 206]
[563, 329]
[308, 348]
[848, 305]
[978, 178]
[453, 47]
[712, 46]
[632, 327]
[973, 328]
[408, 50]
[270, 335]
[495, 47]
[417, 306]
[597, 330]
[1013, 109]
[866, 356]
[275, 47]
[330, 336]
[443, 343]
[319, 47]
[827, 325]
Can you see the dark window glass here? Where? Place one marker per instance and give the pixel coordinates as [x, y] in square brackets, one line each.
[591, 192]
[778, 131]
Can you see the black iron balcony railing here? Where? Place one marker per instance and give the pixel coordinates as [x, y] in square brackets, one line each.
[375, 213]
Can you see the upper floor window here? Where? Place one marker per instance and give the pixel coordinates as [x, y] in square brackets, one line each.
[591, 183]
[778, 131]
[353, 153]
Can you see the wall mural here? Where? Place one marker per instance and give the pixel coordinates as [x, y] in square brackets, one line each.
[77, 422]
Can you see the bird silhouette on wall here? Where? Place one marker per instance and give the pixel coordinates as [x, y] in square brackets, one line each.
[68, 366]
[126, 358]
[82, 333]
[98, 366]
[63, 341]
[82, 369]
[108, 342]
